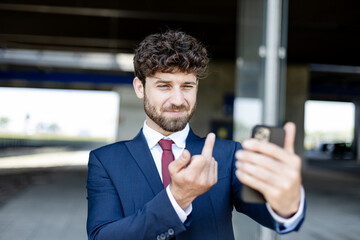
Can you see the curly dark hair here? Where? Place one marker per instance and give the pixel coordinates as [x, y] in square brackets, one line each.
[170, 52]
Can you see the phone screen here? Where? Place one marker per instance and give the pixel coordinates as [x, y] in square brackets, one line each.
[269, 134]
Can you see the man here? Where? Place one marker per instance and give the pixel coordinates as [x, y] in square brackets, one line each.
[133, 194]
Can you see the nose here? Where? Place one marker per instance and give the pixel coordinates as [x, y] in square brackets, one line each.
[177, 97]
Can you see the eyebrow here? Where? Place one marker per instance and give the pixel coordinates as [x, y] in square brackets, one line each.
[159, 80]
[192, 83]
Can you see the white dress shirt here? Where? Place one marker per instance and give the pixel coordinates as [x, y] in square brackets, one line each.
[179, 138]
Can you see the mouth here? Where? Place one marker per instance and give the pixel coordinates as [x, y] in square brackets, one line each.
[175, 113]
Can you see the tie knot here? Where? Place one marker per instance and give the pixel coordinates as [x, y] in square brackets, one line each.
[166, 144]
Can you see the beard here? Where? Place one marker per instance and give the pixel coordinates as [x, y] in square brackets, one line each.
[166, 123]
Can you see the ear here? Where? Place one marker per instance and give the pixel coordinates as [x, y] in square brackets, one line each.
[139, 88]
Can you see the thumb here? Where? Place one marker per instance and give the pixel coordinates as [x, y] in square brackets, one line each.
[289, 142]
[181, 162]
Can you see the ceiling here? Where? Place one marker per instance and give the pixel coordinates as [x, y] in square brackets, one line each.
[322, 31]
[114, 26]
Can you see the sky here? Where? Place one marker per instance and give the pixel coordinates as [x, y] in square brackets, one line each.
[76, 112]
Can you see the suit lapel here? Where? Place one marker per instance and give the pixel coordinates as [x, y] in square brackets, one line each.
[206, 201]
[194, 143]
[140, 151]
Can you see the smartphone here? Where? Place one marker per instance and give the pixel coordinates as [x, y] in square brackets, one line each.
[275, 135]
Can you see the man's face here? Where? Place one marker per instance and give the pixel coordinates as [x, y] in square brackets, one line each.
[169, 100]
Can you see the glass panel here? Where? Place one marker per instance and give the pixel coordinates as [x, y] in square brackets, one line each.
[65, 122]
[329, 130]
[250, 67]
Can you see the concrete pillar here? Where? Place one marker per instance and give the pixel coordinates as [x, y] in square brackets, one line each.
[296, 96]
[210, 99]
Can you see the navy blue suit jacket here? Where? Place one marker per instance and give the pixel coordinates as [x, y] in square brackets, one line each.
[126, 198]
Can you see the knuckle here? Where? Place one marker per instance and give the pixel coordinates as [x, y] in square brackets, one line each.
[293, 175]
[199, 158]
[286, 186]
[275, 194]
[190, 179]
[202, 184]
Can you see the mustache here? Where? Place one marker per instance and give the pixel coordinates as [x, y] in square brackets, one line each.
[175, 108]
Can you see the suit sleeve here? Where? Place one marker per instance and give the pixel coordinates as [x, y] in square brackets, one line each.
[258, 212]
[106, 218]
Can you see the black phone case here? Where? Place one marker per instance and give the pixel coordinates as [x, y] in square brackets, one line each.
[275, 135]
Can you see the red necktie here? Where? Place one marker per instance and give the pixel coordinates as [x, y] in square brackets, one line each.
[166, 159]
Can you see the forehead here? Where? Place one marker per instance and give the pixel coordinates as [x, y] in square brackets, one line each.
[176, 77]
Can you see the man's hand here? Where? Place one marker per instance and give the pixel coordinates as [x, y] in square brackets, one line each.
[273, 171]
[193, 176]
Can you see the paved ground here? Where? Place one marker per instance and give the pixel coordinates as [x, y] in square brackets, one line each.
[333, 207]
[53, 206]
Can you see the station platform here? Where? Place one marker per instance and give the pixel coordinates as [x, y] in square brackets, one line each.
[52, 207]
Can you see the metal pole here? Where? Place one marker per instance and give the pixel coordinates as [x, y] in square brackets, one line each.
[272, 78]
[272, 62]
[260, 59]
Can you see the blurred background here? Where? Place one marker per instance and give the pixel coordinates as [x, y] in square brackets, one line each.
[66, 88]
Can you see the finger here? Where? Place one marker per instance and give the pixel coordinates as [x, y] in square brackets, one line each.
[260, 173]
[280, 171]
[254, 183]
[198, 166]
[216, 170]
[212, 173]
[290, 130]
[208, 169]
[208, 146]
[268, 149]
[181, 162]
[261, 160]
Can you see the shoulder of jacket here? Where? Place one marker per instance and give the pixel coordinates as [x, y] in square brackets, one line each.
[110, 147]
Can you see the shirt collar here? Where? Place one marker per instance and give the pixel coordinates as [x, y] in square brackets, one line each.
[153, 137]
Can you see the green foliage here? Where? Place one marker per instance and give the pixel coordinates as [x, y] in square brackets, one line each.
[4, 121]
[314, 139]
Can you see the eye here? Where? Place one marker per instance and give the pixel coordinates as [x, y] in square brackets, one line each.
[163, 86]
[188, 86]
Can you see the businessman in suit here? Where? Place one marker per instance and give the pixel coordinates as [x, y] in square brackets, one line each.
[168, 183]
